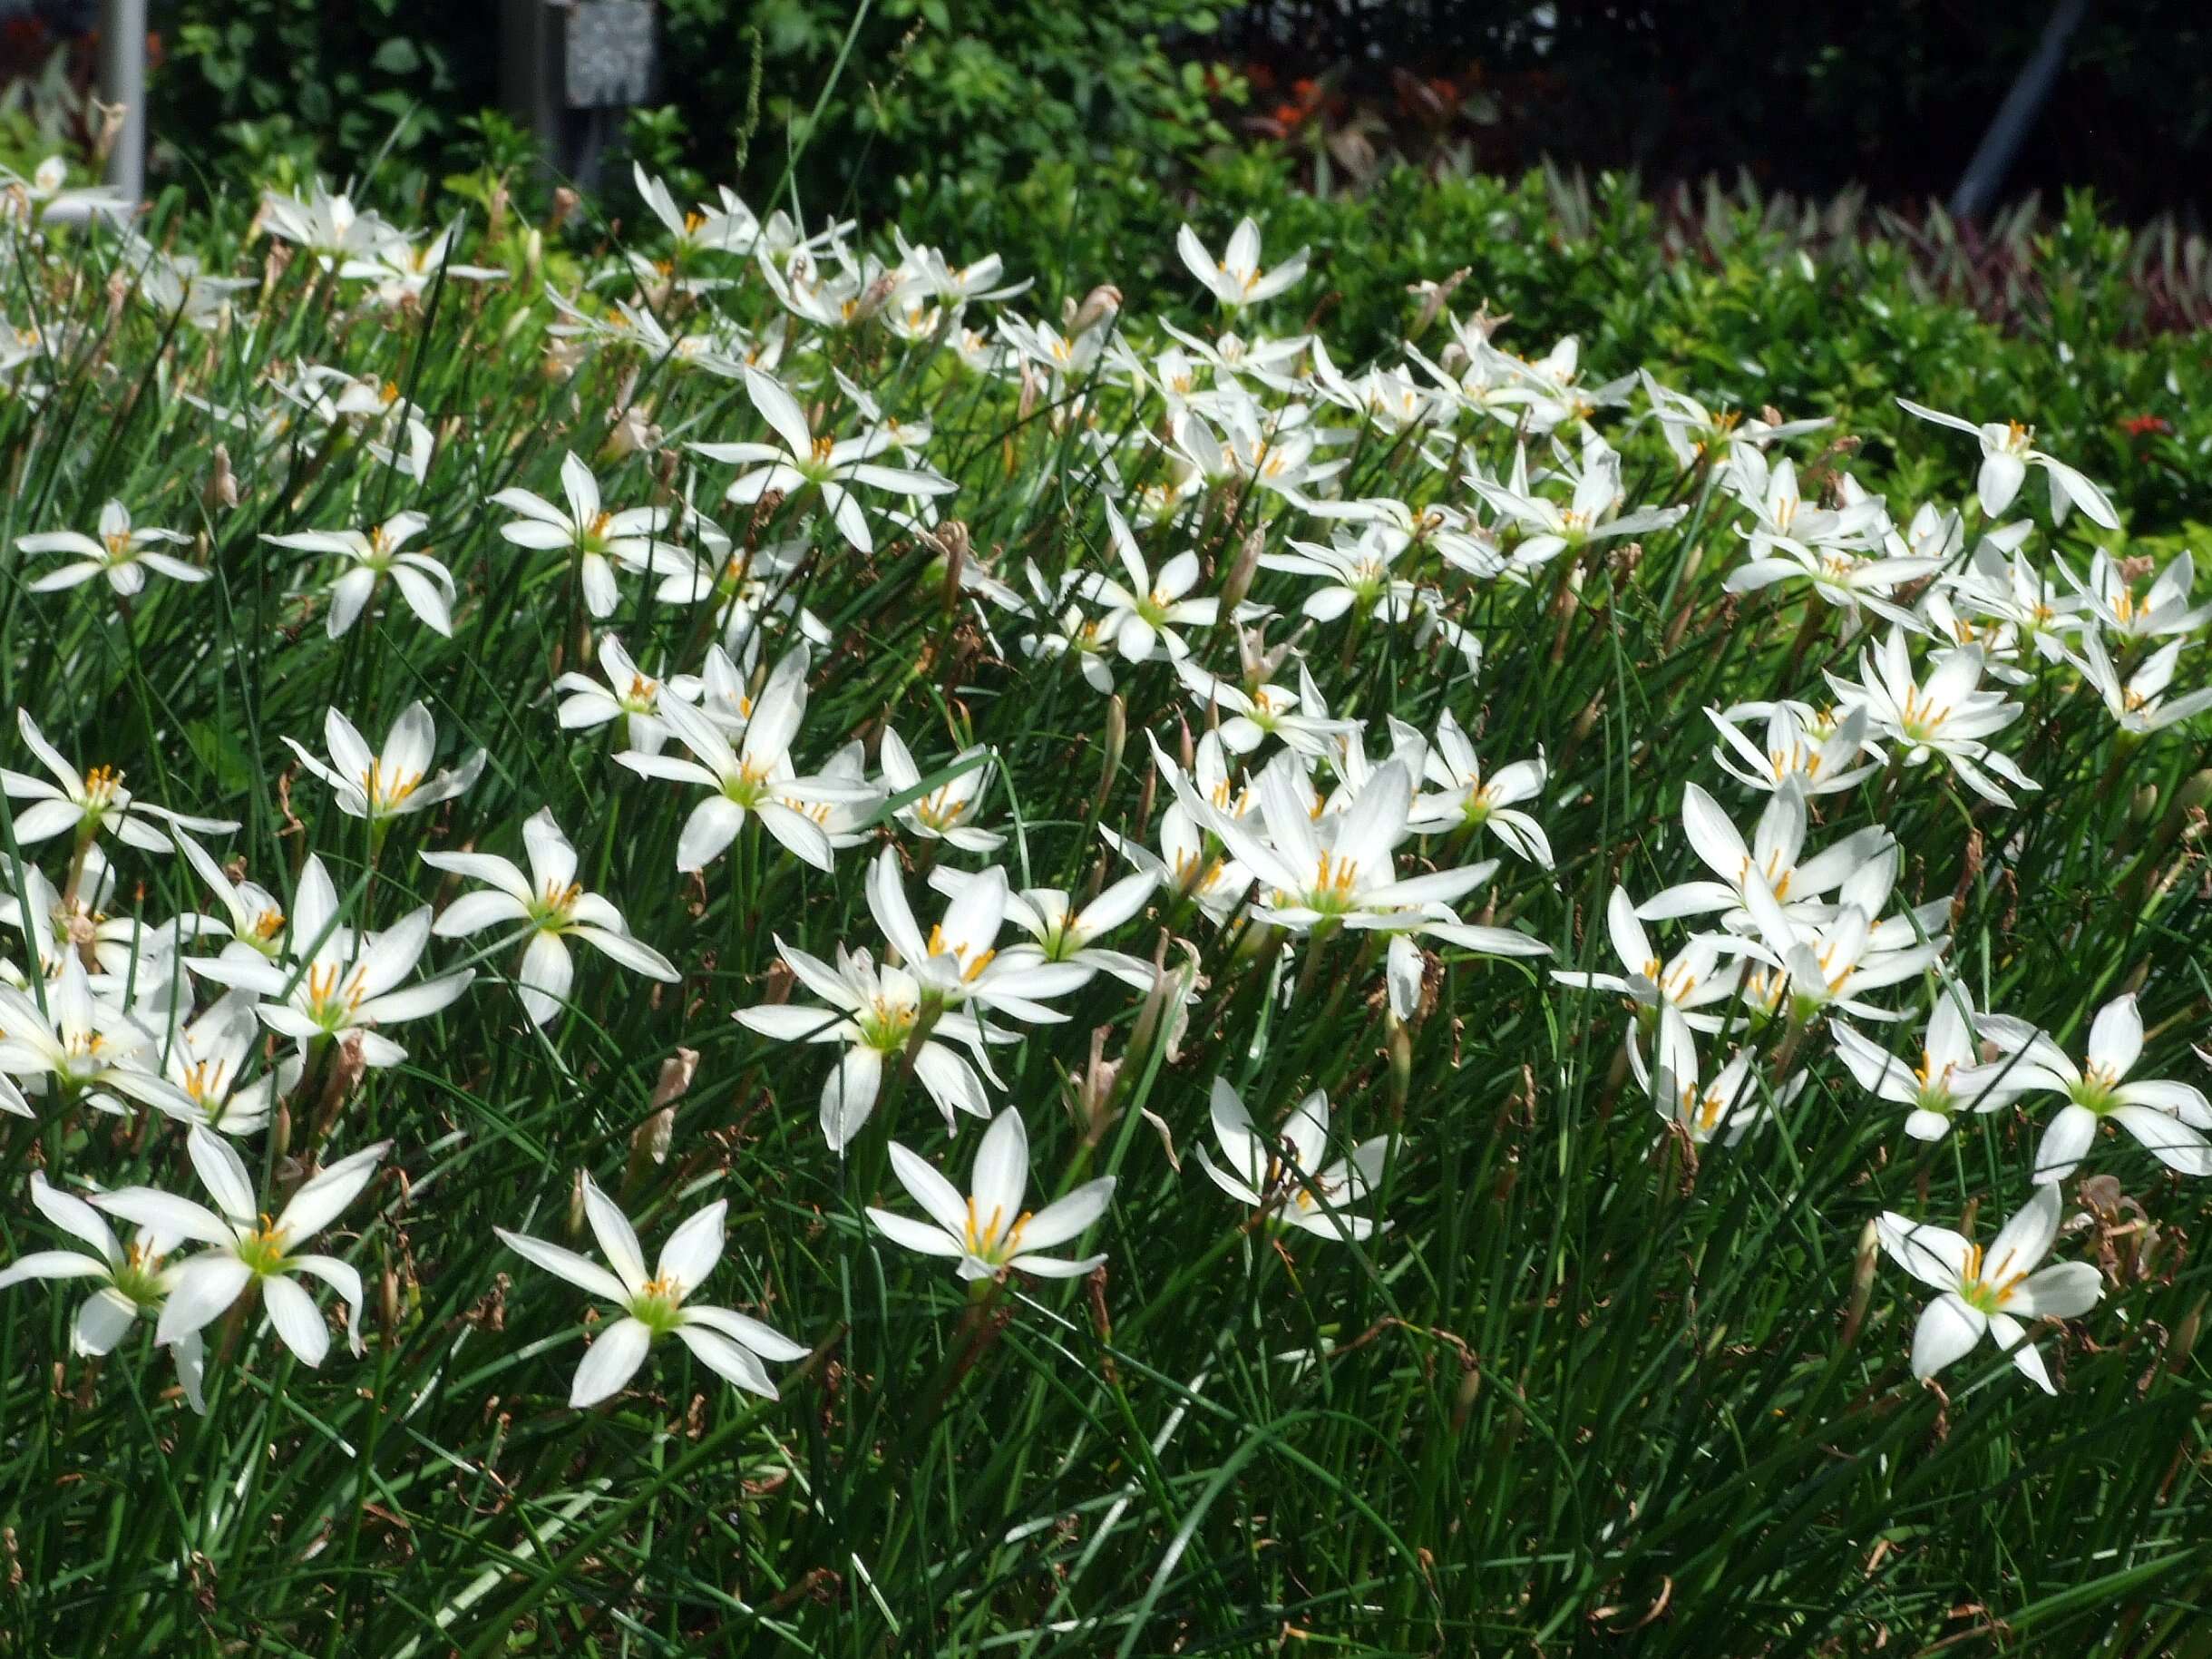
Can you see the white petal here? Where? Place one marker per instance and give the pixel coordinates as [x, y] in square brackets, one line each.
[612, 1360]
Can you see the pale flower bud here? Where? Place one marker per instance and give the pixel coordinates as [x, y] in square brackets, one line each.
[1237, 583]
[1101, 303]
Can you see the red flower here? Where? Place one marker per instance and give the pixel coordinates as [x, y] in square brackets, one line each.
[2147, 426]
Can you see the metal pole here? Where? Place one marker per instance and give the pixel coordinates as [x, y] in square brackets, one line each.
[1993, 159]
[122, 80]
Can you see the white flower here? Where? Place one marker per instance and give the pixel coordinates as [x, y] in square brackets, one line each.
[1694, 978]
[754, 777]
[2007, 452]
[1723, 1109]
[2139, 705]
[1063, 933]
[628, 694]
[1952, 1077]
[959, 962]
[1141, 618]
[325, 224]
[875, 1011]
[988, 1232]
[1285, 1177]
[1237, 279]
[349, 985]
[257, 919]
[1947, 716]
[802, 461]
[1249, 717]
[1464, 797]
[1592, 514]
[2108, 601]
[208, 1058]
[1355, 574]
[941, 813]
[393, 781]
[1778, 844]
[403, 271]
[83, 1046]
[90, 802]
[726, 1341]
[1780, 521]
[598, 539]
[426, 584]
[248, 1248]
[555, 907]
[1802, 750]
[124, 554]
[2170, 1120]
[1185, 866]
[133, 1281]
[1990, 1294]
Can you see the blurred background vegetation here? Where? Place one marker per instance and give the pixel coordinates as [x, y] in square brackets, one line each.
[1744, 195]
[1887, 94]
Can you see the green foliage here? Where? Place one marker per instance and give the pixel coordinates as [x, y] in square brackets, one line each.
[1814, 320]
[328, 86]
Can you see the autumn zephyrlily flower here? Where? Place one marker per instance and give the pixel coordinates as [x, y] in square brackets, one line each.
[1989, 1293]
[122, 553]
[1061, 932]
[1952, 1077]
[132, 1280]
[729, 1343]
[751, 777]
[552, 903]
[374, 553]
[208, 1058]
[626, 694]
[1463, 797]
[801, 461]
[2138, 705]
[959, 962]
[1776, 854]
[80, 1047]
[393, 782]
[248, 1249]
[2007, 452]
[945, 812]
[347, 986]
[1142, 617]
[2107, 599]
[1946, 715]
[1237, 279]
[90, 803]
[1287, 1176]
[2169, 1119]
[1802, 750]
[598, 539]
[988, 1232]
[876, 1013]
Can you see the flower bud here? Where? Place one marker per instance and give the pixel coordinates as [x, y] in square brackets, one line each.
[1862, 1282]
[565, 203]
[1116, 740]
[1401, 1068]
[223, 488]
[2178, 1352]
[1101, 303]
[576, 1205]
[1237, 583]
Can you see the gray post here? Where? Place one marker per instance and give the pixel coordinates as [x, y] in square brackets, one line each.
[122, 80]
[1993, 158]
